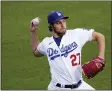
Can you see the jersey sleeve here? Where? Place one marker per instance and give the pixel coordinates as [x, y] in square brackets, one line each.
[41, 48]
[85, 35]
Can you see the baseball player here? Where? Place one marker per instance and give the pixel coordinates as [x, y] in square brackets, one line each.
[63, 50]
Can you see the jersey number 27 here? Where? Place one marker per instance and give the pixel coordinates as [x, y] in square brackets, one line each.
[75, 57]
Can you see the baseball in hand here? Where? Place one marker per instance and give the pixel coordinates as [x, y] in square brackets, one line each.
[35, 21]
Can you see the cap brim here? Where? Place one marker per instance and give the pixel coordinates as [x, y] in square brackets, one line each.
[60, 18]
[65, 17]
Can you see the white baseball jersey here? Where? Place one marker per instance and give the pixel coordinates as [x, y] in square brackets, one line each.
[65, 59]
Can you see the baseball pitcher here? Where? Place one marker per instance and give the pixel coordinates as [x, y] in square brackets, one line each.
[63, 50]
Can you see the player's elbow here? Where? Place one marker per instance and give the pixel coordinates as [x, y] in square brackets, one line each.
[36, 53]
[98, 36]
[101, 37]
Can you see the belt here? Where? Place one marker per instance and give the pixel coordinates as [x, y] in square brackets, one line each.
[69, 86]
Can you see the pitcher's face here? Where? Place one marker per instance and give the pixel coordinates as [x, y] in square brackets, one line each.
[60, 27]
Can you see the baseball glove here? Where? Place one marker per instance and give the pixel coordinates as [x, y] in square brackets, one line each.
[93, 67]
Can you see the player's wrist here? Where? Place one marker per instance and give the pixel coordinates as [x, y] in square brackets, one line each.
[34, 29]
[101, 60]
[101, 56]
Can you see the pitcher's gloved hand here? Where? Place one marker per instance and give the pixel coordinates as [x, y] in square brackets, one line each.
[93, 67]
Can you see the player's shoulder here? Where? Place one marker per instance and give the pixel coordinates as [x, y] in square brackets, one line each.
[72, 31]
[46, 39]
[80, 30]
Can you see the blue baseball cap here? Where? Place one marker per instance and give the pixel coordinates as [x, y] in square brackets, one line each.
[55, 16]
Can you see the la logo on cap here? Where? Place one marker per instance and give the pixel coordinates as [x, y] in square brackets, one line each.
[59, 14]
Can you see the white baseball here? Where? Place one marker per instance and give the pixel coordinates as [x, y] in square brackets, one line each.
[36, 21]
